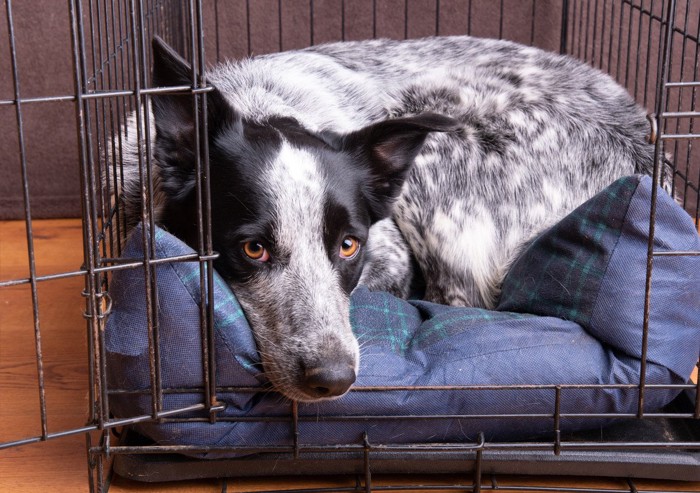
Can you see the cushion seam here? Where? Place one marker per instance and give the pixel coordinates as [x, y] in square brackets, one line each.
[607, 267]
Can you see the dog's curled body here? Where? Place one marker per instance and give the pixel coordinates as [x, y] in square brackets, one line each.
[540, 134]
[343, 141]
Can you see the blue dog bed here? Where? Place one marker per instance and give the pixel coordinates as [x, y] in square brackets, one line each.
[570, 313]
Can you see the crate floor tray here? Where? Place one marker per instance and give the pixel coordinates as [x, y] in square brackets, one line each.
[625, 456]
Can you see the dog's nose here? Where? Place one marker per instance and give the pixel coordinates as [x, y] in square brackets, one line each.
[329, 381]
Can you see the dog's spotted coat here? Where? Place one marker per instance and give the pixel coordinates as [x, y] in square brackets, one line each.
[454, 151]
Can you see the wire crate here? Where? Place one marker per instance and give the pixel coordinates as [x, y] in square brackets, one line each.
[649, 46]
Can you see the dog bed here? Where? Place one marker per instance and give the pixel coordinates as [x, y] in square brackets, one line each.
[570, 313]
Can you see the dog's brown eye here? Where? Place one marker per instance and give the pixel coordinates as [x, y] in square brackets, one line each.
[349, 247]
[254, 250]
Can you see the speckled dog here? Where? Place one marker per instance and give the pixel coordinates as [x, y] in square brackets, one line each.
[357, 162]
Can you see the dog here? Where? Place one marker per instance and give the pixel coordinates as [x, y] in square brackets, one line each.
[400, 165]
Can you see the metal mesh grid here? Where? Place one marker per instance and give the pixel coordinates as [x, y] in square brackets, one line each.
[626, 39]
[649, 46]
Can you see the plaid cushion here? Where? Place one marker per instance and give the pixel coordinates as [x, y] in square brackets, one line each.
[591, 268]
[575, 299]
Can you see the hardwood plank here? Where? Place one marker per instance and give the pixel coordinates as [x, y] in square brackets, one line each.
[59, 465]
[57, 243]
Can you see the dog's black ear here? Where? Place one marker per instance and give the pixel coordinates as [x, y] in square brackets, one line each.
[388, 149]
[176, 120]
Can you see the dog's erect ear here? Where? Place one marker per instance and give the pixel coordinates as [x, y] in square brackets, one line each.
[388, 149]
[170, 69]
[176, 121]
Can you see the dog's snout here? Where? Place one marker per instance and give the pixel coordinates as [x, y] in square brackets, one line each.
[329, 381]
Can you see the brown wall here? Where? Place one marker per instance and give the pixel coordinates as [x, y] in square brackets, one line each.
[45, 69]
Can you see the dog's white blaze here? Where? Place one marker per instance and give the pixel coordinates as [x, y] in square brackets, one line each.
[299, 167]
[296, 189]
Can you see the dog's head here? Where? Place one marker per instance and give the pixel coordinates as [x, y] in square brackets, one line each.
[291, 212]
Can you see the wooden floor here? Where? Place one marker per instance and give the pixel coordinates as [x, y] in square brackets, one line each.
[59, 465]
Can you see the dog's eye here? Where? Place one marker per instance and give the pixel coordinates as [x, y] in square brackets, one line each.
[254, 250]
[349, 247]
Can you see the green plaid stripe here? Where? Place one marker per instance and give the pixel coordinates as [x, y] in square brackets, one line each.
[454, 322]
[381, 319]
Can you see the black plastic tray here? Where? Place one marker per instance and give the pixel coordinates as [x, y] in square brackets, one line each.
[665, 461]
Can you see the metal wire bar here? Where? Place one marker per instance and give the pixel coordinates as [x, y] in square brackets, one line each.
[637, 65]
[429, 388]
[586, 44]
[420, 418]
[619, 42]
[78, 63]
[679, 136]
[95, 177]
[564, 27]
[93, 481]
[683, 84]
[427, 448]
[478, 465]
[688, 386]
[368, 470]
[500, 21]
[95, 28]
[114, 145]
[28, 220]
[437, 18]
[96, 94]
[661, 105]
[463, 487]
[203, 200]
[139, 119]
[116, 423]
[156, 376]
[677, 130]
[612, 35]
[113, 265]
[688, 159]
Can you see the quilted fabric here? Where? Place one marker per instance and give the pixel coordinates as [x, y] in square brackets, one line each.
[570, 314]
